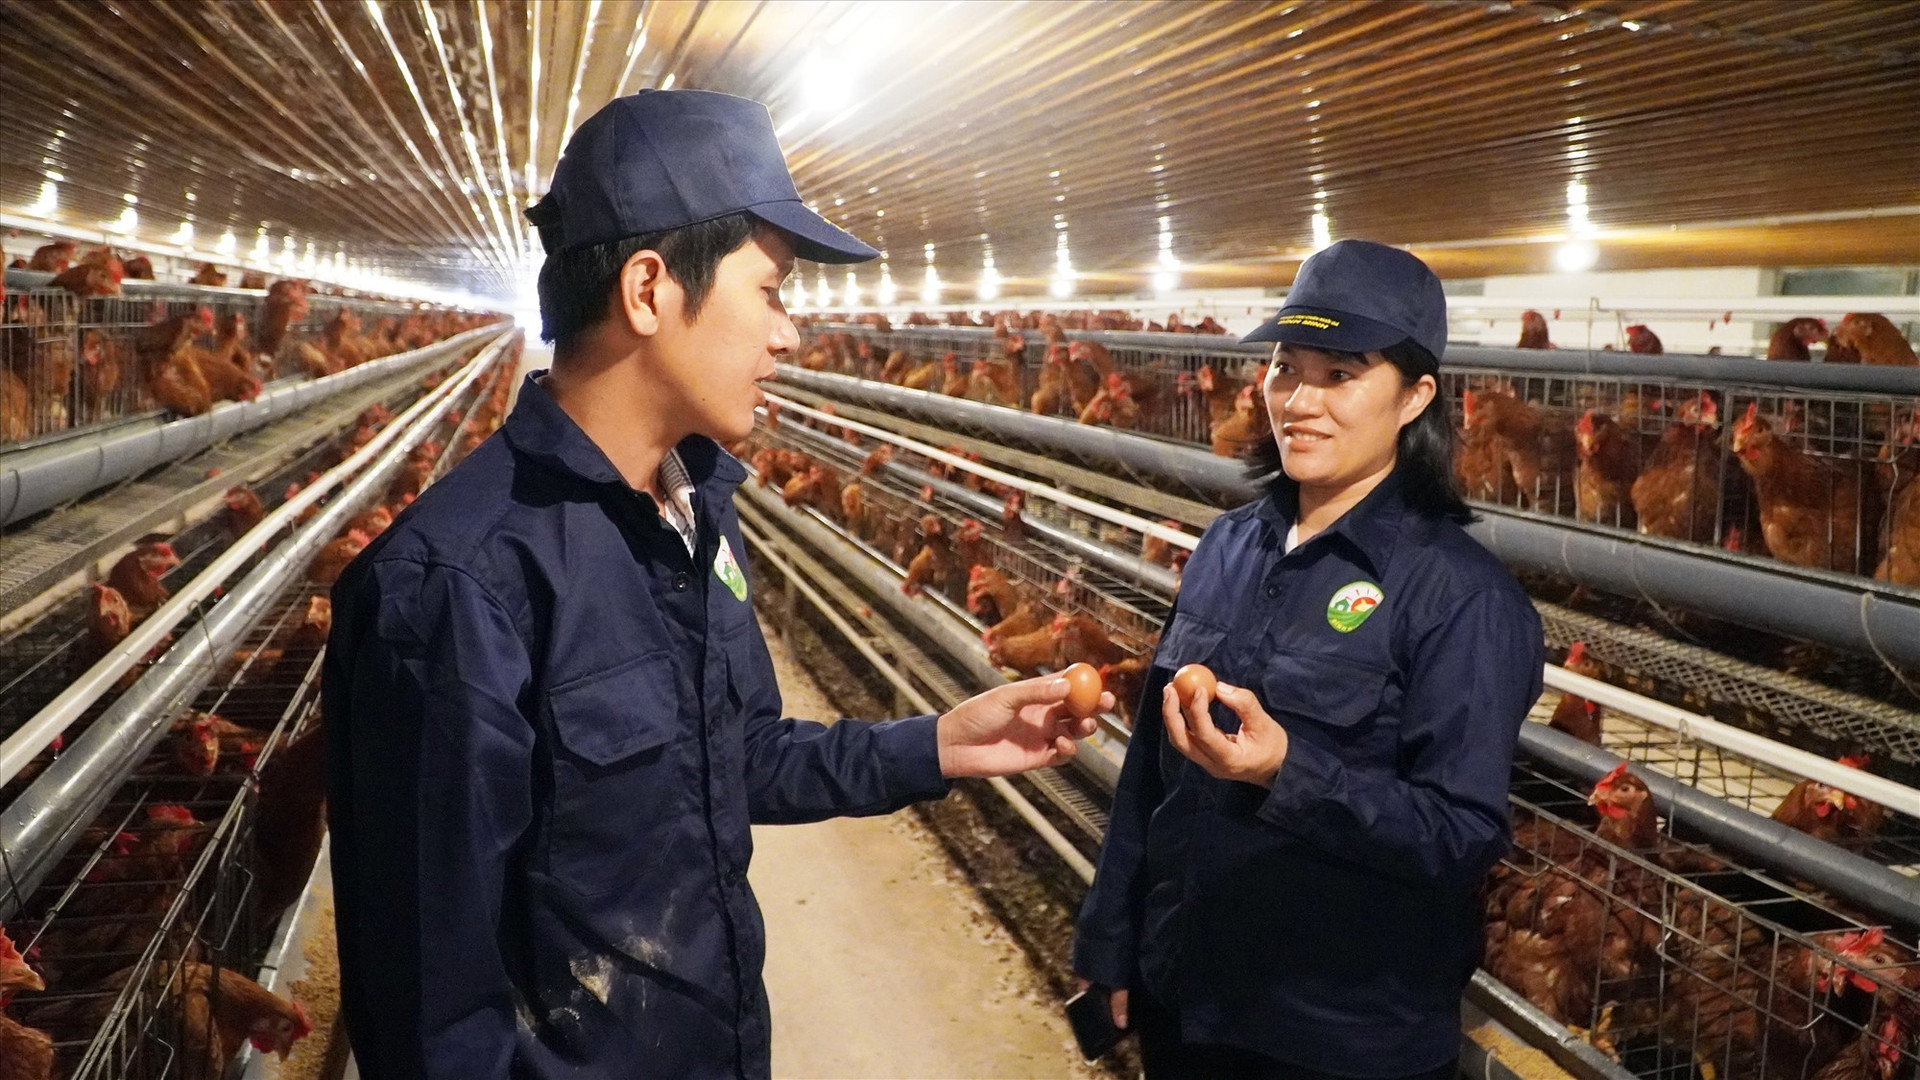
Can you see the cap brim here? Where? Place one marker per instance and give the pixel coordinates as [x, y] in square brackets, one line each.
[1325, 328]
[814, 237]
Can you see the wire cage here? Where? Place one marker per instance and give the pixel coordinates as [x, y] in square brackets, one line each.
[1804, 478]
[1028, 577]
[1170, 397]
[1816, 479]
[1681, 965]
[68, 363]
[141, 933]
[147, 931]
[41, 657]
[1883, 834]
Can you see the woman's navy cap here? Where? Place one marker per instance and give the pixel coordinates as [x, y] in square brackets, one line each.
[661, 159]
[1359, 296]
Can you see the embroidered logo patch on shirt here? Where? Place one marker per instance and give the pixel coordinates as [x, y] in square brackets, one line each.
[1352, 604]
[728, 571]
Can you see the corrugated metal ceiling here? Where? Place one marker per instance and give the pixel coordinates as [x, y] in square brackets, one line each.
[1703, 131]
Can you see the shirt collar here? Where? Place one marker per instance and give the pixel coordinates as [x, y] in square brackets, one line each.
[539, 428]
[1371, 527]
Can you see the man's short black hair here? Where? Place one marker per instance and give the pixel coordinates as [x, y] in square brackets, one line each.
[577, 284]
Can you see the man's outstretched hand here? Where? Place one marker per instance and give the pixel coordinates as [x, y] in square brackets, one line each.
[1012, 728]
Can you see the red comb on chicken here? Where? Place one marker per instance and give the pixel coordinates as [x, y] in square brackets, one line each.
[15, 975]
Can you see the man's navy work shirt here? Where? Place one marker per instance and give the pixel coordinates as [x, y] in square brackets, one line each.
[1330, 921]
[548, 730]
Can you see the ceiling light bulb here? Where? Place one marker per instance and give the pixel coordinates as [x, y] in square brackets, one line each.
[930, 288]
[49, 199]
[829, 86]
[184, 234]
[852, 291]
[1165, 281]
[887, 293]
[128, 221]
[1575, 256]
[227, 243]
[1061, 286]
[1322, 230]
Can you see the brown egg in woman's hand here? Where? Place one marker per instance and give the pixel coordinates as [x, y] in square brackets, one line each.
[1084, 687]
[1192, 679]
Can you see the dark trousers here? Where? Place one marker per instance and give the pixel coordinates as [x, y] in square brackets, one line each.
[1167, 1057]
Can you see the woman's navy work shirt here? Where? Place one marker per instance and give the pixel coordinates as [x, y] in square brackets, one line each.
[548, 729]
[1330, 921]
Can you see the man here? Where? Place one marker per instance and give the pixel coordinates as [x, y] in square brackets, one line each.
[551, 715]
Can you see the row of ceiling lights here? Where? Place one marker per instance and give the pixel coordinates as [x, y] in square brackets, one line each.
[365, 275]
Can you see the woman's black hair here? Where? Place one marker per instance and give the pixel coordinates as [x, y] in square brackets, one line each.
[577, 284]
[1425, 448]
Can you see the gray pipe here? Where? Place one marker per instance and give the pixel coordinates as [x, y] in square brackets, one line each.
[40, 478]
[1198, 469]
[1127, 566]
[180, 291]
[41, 825]
[945, 633]
[1849, 613]
[1724, 370]
[882, 585]
[1717, 370]
[1124, 565]
[1498, 1001]
[1843, 611]
[1860, 880]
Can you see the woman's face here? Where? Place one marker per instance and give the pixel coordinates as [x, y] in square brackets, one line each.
[1336, 417]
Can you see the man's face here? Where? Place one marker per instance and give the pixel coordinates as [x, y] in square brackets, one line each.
[711, 365]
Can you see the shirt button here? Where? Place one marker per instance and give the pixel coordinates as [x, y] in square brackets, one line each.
[1273, 591]
[681, 581]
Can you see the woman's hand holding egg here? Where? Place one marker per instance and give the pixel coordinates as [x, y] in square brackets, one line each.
[1252, 755]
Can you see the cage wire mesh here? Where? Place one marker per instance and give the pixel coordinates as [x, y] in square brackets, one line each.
[67, 363]
[1571, 446]
[1679, 964]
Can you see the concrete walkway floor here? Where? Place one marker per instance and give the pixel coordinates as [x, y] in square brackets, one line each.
[881, 962]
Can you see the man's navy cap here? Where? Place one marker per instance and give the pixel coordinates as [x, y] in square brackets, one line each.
[661, 159]
[1359, 296]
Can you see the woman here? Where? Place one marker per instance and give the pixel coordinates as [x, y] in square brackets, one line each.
[1287, 886]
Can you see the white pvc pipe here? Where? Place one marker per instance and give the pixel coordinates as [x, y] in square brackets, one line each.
[1888, 793]
[26, 743]
[1052, 494]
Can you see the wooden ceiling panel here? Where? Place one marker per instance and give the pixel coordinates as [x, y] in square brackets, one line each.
[411, 133]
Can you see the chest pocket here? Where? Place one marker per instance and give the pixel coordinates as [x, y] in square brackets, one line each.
[1334, 701]
[617, 782]
[1187, 640]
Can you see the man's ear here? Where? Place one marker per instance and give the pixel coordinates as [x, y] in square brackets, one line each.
[644, 285]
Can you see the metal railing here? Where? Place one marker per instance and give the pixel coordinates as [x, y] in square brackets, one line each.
[68, 363]
[1849, 434]
[164, 862]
